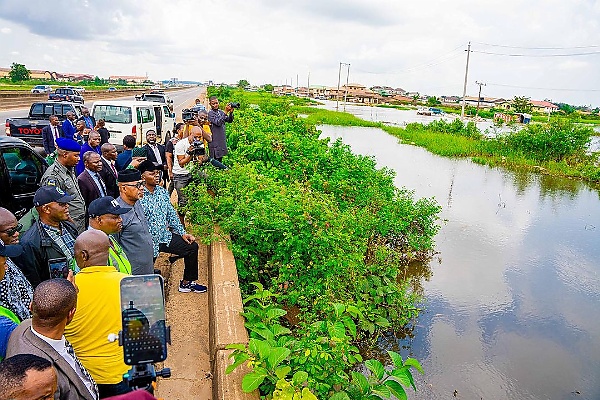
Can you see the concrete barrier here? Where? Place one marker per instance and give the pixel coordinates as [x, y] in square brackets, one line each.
[226, 323]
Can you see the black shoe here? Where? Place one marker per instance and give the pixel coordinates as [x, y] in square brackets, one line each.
[172, 259]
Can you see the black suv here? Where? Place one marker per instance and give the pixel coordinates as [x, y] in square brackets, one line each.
[66, 94]
[21, 169]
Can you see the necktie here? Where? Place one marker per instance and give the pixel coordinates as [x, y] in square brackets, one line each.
[55, 132]
[83, 372]
[102, 187]
[114, 169]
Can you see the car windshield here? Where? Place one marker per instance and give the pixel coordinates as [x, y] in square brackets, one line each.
[153, 97]
[114, 114]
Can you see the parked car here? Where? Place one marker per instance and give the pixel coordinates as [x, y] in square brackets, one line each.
[111, 89]
[21, 169]
[436, 111]
[30, 128]
[126, 117]
[80, 89]
[66, 94]
[157, 96]
[423, 111]
[42, 89]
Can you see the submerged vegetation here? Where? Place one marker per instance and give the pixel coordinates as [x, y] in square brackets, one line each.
[321, 239]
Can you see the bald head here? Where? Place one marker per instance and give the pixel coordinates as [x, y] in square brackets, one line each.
[6, 218]
[91, 249]
[53, 301]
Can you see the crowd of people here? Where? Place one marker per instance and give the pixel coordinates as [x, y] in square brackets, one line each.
[98, 217]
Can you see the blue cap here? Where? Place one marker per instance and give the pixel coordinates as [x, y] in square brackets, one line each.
[13, 250]
[68, 144]
[48, 194]
[106, 205]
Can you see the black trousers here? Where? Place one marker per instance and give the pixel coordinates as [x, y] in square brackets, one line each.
[189, 252]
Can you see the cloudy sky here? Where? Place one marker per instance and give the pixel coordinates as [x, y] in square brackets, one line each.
[541, 49]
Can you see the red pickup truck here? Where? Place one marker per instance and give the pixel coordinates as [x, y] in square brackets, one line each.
[30, 128]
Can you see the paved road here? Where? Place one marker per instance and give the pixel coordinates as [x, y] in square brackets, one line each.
[181, 99]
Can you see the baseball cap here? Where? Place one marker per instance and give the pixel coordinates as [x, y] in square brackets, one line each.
[13, 250]
[106, 205]
[148, 165]
[48, 194]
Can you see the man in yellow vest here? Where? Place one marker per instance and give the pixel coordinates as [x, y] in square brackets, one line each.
[105, 215]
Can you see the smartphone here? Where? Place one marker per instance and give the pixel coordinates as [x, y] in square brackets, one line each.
[58, 268]
[139, 152]
[144, 334]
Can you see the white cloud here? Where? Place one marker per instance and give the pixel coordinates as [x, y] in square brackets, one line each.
[401, 44]
[5, 30]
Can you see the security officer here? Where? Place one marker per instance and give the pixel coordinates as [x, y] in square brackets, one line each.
[62, 175]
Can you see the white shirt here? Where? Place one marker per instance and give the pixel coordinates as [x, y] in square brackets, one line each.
[111, 164]
[156, 153]
[181, 149]
[59, 346]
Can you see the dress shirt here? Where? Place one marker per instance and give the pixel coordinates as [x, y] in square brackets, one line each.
[162, 217]
[156, 153]
[112, 166]
[98, 181]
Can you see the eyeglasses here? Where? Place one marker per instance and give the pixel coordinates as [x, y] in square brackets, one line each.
[13, 230]
[135, 185]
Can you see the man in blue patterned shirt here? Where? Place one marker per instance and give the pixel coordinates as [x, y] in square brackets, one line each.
[168, 234]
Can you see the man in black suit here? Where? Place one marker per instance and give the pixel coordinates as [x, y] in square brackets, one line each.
[109, 171]
[90, 182]
[50, 133]
[53, 307]
[155, 152]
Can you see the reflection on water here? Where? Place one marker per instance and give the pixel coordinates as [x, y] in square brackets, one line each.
[512, 305]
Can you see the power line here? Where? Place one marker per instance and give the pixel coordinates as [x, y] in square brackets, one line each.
[536, 55]
[539, 48]
[431, 63]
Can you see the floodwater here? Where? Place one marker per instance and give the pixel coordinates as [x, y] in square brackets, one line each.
[512, 300]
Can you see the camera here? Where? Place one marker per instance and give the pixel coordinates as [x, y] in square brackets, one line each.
[198, 148]
[234, 105]
[188, 114]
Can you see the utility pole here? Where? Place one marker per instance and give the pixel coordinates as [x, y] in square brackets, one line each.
[346, 91]
[462, 113]
[478, 96]
[337, 94]
[308, 84]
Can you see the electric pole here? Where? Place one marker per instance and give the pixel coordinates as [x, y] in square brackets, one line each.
[346, 91]
[462, 113]
[308, 84]
[337, 94]
[478, 96]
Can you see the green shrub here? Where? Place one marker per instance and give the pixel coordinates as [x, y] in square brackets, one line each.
[553, 141]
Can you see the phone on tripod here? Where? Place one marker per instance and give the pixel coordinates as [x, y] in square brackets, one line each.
[144, 335]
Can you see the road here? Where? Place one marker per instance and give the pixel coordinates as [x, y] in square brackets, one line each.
[181, 99]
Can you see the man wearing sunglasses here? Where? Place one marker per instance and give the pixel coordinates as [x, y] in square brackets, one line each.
[135, 237]
[16, 292]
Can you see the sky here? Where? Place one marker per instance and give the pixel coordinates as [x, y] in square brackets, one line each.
[419, 46]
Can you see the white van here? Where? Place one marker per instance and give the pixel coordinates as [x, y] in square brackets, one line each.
[126, 117]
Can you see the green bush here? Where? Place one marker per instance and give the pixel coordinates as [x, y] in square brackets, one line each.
[323, 230]
[553, 141]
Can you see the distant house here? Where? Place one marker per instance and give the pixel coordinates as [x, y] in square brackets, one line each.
[128, 78]
[484, 102]
[543, 106]
[401, 99]
[450, 99]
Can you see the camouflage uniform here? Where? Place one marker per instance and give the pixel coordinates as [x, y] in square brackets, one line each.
[64, 178]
